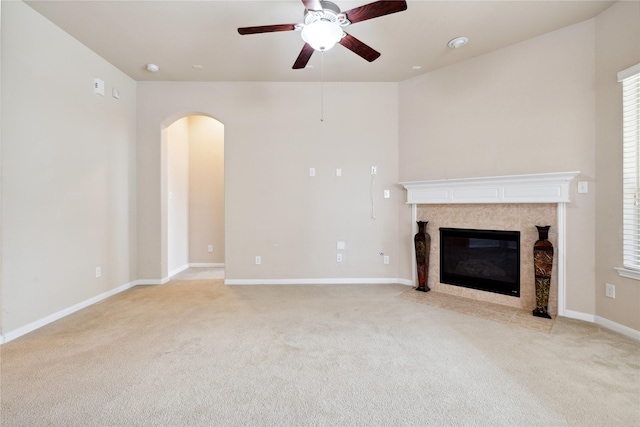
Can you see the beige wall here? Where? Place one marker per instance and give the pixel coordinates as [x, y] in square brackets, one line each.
[528, 108]
[178, 190]
[617, 48]
[206, 190]
[273, 209]
[68, 171]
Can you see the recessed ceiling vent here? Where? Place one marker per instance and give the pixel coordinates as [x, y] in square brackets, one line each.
[458, 42]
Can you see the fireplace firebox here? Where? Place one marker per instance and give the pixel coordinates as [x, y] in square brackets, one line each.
[486, 260]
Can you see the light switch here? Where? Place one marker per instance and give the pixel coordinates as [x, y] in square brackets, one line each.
[312, 171]
[340, 245]
[98, 86]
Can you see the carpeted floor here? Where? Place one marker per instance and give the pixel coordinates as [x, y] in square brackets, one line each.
[196, 352]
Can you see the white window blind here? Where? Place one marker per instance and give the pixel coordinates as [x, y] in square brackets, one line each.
[630, 79]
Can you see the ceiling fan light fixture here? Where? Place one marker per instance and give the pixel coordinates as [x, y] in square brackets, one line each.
[322, 35]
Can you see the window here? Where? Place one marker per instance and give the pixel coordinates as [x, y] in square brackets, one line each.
[630, 79]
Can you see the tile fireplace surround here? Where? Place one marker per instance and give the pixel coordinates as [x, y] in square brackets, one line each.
[516, 203]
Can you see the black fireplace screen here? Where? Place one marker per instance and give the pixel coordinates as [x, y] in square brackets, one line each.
[487, 260]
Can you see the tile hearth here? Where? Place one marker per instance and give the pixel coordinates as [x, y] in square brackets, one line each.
[485, 310]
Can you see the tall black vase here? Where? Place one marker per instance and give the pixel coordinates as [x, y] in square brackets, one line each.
[422, 242]
[542, 262]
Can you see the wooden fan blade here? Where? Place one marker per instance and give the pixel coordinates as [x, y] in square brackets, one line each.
[374, 10]
[304, 57]
[359, 48]
[267, 29]
[312, 4]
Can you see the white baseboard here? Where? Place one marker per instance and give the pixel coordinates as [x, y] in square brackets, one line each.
[606, 323]
[206, 264]
[335, 281]
[16, 333]
[178, 270]
[151, 281]
[579, 316]
[616, 327]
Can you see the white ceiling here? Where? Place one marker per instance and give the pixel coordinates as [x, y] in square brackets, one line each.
[179, 34]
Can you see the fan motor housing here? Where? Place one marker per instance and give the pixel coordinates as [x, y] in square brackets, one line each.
[330, 12]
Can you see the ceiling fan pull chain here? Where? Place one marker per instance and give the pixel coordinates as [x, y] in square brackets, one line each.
[322, 86]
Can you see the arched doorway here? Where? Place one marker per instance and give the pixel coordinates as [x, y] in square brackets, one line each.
[193, 184]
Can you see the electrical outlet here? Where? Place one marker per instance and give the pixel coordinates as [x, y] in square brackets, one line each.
[339, 258]
[210, 248]
[386, 259]
[374, 170]
[610, 290]
[98, 272]
[258, 260]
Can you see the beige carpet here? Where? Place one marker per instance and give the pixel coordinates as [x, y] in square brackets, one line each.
[195, 352]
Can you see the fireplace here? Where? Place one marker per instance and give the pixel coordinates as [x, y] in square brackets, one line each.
[515, 202]
[486, 260]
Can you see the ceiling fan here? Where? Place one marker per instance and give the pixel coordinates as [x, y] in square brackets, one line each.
[322, 27]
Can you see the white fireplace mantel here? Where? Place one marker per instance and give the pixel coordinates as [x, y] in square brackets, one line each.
[533, 188]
